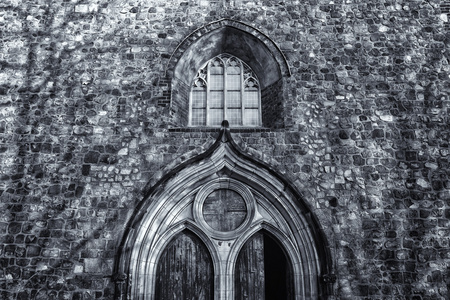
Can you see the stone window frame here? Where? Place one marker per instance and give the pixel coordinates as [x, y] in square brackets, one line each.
[202, 86]
[224, 183]
[247, 43]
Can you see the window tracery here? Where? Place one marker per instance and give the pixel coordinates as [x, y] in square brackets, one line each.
[225, 88]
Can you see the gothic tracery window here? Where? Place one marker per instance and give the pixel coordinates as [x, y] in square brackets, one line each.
[225, 88]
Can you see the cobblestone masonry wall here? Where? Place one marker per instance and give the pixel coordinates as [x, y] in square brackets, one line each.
[84, 126]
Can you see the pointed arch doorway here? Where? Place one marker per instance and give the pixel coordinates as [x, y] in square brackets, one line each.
[262, 270]
[185, 270]
[223, 226]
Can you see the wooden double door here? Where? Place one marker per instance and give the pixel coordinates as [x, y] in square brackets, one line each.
[185, 270]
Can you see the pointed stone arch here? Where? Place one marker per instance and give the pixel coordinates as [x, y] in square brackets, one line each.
[254, 47]
[168, 208]
[241, 40]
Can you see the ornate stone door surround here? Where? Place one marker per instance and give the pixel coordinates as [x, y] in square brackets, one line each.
[177, 203]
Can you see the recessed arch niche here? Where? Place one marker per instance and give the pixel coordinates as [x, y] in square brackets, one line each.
[245, 42]
[273, 207]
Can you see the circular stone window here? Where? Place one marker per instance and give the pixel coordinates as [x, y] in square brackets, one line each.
[224, 208]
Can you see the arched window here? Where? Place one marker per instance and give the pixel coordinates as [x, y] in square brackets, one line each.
[225, 88]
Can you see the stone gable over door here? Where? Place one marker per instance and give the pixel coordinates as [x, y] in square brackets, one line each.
[177, 204]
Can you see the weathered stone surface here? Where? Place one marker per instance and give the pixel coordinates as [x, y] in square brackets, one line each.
[360, 127]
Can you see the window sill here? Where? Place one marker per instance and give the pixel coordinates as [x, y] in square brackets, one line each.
[217, 129]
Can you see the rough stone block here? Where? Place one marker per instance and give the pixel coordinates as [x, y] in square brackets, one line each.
[358, 121]
[33, 251]
[14, 227]
[92, 157]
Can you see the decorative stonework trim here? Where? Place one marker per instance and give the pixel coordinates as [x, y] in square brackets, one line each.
[190, 39]
[226, 183]
[168, 203]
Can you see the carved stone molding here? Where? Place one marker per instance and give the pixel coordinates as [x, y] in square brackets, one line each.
[272, 205]
[227, 184]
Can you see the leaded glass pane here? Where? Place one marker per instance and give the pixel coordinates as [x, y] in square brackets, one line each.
[198, 117]
[215, 116]
[251, 117]
[198, 99]
[234, 116]
[251, 99]
[233, 82]
[216, 82]
[233, 70]
[216, 99]
[234, 99]
[216, 70]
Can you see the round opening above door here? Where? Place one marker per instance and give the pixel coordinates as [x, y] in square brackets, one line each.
[224, 208]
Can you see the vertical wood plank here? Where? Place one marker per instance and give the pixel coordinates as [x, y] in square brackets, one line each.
[185, 270]
[249, 274]
[263, 271]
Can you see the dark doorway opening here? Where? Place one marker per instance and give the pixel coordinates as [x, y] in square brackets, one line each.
[277, 271]
[263, 270]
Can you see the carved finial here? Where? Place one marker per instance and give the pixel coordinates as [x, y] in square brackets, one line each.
[225, 124]
[225, 131]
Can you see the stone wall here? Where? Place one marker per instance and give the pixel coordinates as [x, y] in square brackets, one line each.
[86, 127]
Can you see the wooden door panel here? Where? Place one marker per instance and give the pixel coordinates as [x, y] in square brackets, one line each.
[249, 273]
[185, 270]
[263, 271]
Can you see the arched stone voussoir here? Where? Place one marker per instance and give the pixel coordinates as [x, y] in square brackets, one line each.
[228, 36]
[176, 199]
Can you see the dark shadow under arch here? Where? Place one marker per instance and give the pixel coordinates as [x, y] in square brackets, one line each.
[272, 277]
